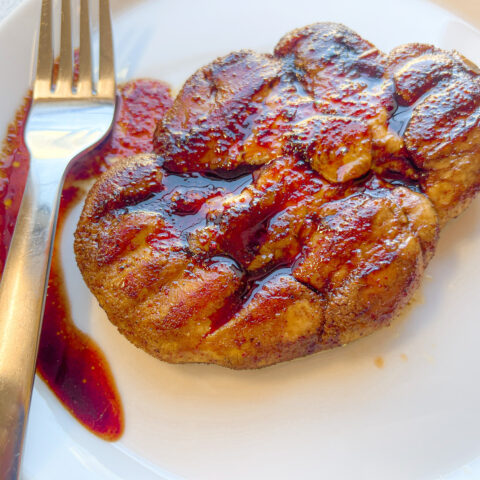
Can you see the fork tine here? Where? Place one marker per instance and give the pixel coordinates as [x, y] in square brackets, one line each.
[84, 88]
[106, 77]
[43, 78]
[64, 80]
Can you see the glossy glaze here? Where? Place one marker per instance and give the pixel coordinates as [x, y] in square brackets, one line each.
[320, 243]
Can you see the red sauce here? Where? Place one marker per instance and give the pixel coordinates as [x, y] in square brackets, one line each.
[71, 364]
[13, 173]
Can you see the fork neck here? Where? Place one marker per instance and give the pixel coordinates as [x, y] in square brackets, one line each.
[44, 177]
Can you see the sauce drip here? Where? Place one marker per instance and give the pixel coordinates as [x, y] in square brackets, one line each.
[70, 363]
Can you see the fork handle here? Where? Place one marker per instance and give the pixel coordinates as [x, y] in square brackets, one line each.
[22, 297]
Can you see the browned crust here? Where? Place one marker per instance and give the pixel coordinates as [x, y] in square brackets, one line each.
[442, 89]
[314, 120]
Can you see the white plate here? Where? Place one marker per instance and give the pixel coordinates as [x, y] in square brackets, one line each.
[334, 415]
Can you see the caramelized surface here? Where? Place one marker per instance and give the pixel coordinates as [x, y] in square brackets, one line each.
[291, 204]
[442, 137]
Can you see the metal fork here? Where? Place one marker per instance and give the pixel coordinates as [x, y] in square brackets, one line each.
[63, 122]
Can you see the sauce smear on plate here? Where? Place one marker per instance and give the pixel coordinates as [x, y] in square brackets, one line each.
[70, 362]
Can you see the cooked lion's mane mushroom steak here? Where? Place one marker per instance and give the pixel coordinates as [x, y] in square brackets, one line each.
[291, 203]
